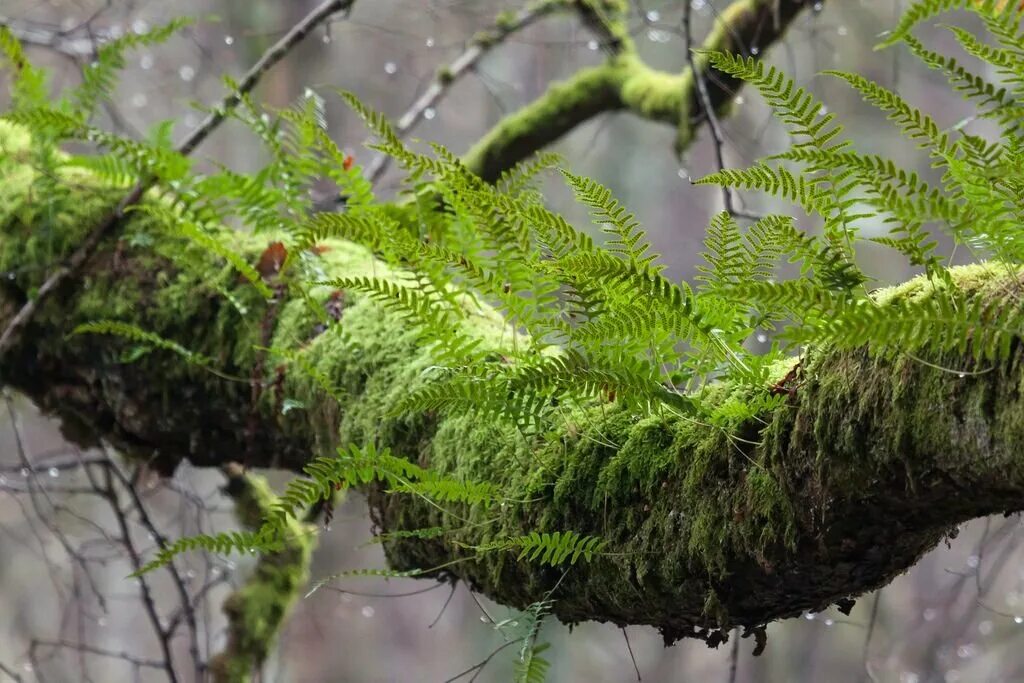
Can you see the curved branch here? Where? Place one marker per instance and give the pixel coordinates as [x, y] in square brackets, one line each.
[624, 82]
[602, 17]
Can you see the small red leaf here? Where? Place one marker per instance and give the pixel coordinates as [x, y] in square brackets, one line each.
[271, 260]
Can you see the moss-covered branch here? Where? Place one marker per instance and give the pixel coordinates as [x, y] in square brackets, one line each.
[257, 609]
[625, 82]
[872, 461]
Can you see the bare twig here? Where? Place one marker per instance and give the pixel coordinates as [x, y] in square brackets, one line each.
[465, 63]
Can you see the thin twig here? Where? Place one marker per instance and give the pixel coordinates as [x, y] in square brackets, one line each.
[216, 116]
[717, 137]
[632, 657]
[460, 66]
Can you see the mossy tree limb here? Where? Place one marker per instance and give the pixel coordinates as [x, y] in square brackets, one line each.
[625, 83]
[257, 609]
[872, 461]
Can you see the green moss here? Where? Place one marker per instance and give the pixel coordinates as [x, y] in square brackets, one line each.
[653, 94]
[258, 608]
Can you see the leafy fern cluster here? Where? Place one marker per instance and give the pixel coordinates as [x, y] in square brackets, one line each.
[588, 323]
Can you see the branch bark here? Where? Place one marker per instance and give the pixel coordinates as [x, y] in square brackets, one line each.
[873, 461]
[625, 83]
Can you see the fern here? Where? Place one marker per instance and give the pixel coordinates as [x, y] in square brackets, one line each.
[551, 549]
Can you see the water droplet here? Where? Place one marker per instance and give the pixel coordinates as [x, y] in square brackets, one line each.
[367, 611]
[961, 375]
[10, 276]
[762, 337]
[229, 40]
[683, 173]
[146, 61]
[829, 622]
[187, 73]
[390, 68]
[658, 36]
[653, 15]
[739, 99]
[818, 6]
[326, 38]
[973, 561]
[101, 622]
[429, 113]
[698, 4]
[25, 472]
[484, 619]
[985, 627]
[139, 26]
[53, 472]
[430, 42]
[966, 651]
[929, 614]
[809, 616]
[190, 574]
[139, 100]
[593, 44]
[755, 50]
[823, 110]
[1018, 620]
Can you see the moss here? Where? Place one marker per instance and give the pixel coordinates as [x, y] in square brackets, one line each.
[777, 514]
[258, 608]
[653, 94]
[445, 75]
[564, 105]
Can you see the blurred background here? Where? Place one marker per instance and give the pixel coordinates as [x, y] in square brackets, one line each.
[67, 610]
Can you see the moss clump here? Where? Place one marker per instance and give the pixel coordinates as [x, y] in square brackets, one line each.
[257, 610]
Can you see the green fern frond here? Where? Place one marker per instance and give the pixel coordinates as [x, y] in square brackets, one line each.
[141, 336]
[913, 123]
[629, 240]
[551, 549]
[918, 12]
[531, 667]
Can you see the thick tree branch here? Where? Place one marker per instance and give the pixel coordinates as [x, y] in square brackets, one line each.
[624, 82]
[873, 460]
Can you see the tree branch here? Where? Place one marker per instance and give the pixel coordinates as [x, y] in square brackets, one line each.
[258, 608]
[624, 82]
[873, 460]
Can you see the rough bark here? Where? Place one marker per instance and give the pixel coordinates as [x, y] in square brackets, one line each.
[873, 461]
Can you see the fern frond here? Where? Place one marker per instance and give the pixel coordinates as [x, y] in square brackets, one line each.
[141, 336]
